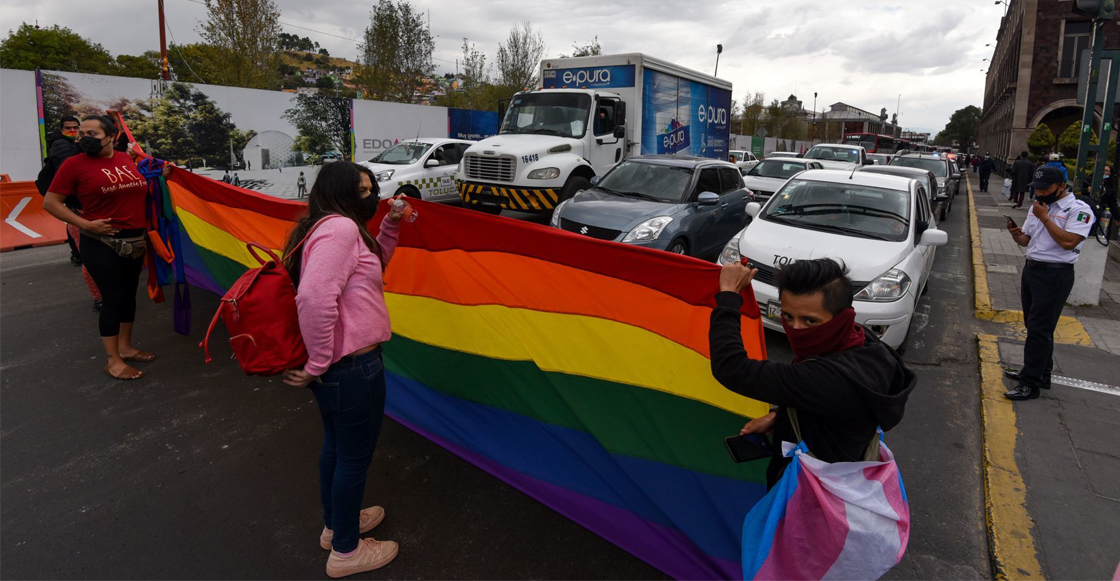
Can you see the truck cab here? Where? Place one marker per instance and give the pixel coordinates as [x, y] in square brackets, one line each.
[589, 114]
[549, 146]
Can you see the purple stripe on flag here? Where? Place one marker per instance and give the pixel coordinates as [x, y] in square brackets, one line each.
[655, 544]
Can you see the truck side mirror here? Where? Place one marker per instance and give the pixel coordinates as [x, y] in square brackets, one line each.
[619, 131]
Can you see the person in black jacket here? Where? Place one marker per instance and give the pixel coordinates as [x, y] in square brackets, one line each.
[1022, 172]
[844, 381]
[64, 145]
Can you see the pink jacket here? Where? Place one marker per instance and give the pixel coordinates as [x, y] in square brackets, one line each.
[341, 300]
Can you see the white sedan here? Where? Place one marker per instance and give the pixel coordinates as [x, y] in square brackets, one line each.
[880, 226]
[422, 168]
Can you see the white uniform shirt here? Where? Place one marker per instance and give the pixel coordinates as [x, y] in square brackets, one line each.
[1069, 214]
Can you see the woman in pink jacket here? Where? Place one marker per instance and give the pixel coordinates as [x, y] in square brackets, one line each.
[343, 320]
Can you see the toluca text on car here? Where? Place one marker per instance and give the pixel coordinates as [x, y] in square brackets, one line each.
[682, 204]
[880, 226]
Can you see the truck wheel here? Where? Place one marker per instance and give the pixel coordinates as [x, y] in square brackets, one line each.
[574, 184]
[409, 191]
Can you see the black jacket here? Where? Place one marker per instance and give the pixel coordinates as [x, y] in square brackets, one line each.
[1022, 173]
[840, 398]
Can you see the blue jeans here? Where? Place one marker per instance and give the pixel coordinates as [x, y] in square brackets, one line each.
[351, 396]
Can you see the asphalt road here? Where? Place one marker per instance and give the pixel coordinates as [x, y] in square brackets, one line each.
[199, 472]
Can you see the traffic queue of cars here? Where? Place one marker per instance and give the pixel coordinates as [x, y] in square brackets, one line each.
[879, 217]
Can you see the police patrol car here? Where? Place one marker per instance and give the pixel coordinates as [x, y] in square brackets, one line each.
[420, 168]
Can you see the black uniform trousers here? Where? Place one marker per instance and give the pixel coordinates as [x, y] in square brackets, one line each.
[1044, 289]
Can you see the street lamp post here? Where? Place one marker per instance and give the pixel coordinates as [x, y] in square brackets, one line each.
[719, 50]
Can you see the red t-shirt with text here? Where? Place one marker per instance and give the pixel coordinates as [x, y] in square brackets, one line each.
[107, 187]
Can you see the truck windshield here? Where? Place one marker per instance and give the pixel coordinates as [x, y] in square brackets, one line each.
[562, 114]
[833, 154]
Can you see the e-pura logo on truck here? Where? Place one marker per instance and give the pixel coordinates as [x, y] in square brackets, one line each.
[587, 77]
[707, 115]
[590, 77]
[674, 138]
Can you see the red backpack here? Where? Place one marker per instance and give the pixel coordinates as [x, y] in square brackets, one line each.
[259, 311]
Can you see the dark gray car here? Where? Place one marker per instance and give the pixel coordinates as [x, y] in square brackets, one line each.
[686, 205]
[948, 177]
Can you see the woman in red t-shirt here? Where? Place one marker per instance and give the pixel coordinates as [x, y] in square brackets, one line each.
[113, 196]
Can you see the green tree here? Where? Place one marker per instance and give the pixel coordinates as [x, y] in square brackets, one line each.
[60, 99]
[55, 49]
[184, 124]
[324, 82]
[395, 53]
[1041, 140]
[474, 90]
[198, 62]
[591, 48]
[519, 59]
[962, 126]
[323, 123]
[248, 33]
[145, 66]
[746, 117]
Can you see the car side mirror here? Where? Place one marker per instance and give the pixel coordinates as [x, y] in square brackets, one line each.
[619, 131]
[595, 180]
[708, 199]
[934, 237]
[432, 162]
[868, 162]
[753, 209]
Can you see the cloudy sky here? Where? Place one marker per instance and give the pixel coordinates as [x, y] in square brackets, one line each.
[865, 53]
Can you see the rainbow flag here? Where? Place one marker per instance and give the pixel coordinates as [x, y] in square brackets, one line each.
[575, 370]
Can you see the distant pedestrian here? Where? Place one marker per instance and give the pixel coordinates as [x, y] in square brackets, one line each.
[344, 321]
[236, 180]
[1053, 233]
[301, 185]
[1021, 174]
[226, 178]
[975, 162]
[248, 165]
[985, 168]
[1056, 161]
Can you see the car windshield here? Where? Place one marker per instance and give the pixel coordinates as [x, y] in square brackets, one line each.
[931, 164]
[833, 153]
[403, 153]
[561, 114]
[776, 168]
[843, 208]
[665, 183]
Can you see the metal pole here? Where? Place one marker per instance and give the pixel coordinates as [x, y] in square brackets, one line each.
[163, 70]
[1095, 50]
[1101, 157]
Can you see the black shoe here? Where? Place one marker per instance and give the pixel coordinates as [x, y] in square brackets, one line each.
[75, 260]
[1022, 392]
[97, 306]
[1014, 375]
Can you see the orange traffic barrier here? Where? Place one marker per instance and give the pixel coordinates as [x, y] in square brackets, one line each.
[5, 177]
[23, 221]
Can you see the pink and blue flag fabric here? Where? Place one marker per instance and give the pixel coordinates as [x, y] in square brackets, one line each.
[847, 520]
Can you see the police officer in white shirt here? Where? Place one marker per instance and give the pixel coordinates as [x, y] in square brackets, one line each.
[1054, 232]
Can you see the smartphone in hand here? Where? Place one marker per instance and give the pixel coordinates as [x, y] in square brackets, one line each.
[748, 447]
[1011, 221]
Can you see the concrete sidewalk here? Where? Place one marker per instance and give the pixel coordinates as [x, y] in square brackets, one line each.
[1052, 465]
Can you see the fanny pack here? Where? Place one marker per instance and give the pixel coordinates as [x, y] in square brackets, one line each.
[132, 247]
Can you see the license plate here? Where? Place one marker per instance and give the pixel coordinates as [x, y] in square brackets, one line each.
[774, 309]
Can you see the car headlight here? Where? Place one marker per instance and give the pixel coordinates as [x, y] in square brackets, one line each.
[384, 176]
[555, 222]
[545, 173]
[888, 287]
[730, 254]
[648, 230]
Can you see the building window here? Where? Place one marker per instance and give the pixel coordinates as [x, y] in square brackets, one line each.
[1074, 41]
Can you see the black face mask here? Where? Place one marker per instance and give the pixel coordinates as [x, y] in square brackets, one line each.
[1048, 200]
[367, 208]
[90, 145]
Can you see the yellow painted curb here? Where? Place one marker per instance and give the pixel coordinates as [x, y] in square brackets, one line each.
[1069, 330]
[1010, 541]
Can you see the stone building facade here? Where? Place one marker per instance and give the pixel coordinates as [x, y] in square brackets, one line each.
[1033, 74]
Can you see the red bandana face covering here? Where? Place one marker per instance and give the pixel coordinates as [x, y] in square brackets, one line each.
[836, 335]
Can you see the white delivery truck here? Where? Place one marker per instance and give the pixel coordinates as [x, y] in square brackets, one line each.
[590, 114]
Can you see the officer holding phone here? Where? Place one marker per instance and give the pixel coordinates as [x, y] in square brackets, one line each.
[1053, 233]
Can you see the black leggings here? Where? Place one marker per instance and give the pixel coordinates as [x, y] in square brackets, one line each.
[117, 277]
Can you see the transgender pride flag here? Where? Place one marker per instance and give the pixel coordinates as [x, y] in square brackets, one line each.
[848, 520]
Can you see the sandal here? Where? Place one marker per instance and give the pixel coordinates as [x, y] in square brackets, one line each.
[141, 356]
[127, 374]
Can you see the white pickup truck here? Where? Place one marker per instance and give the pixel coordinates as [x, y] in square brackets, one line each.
[590, 114]
[838, 155]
